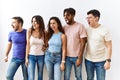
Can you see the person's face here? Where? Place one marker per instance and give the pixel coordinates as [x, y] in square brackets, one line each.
[91, 19]
[53, 25]
[15, 24]
[68, 18]
[35, 24]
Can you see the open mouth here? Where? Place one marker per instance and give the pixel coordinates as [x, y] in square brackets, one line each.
[67, 20]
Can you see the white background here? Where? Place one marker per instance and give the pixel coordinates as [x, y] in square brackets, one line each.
[110, 17]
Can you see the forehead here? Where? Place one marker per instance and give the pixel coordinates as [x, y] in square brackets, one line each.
[52, 20]
[14, 20]
[34, 19]
[67, 13]
[91, 15]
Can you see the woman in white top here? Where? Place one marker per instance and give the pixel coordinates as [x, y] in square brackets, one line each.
[34, 50]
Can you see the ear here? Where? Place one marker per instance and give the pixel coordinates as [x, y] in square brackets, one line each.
[20, 24]
[97, 18]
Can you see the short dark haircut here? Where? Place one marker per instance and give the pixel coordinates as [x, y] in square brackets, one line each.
[70, 11]
[19, 19]
[94, 12]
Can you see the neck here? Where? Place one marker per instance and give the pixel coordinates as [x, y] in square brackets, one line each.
[20, 29]
[56, 31]
[36, 30]
[96, 25]
[72, 22]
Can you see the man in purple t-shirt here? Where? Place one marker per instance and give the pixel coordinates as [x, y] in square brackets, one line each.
[16, 40]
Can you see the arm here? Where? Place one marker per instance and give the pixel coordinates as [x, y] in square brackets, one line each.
[64, 46]
[82, 47]
[28, 44]
[7, 51]
[45, 42]
[109, 53]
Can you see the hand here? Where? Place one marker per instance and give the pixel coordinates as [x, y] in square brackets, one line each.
[44, 48]
[78, 62]
[107, 65]
[6, 59]
[62, 66]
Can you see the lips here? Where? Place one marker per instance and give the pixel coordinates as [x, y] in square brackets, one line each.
[67, 20]
[88, 22]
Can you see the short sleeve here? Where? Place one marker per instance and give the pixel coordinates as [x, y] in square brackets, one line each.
[82, 31]
[9, 37]
[108, 36]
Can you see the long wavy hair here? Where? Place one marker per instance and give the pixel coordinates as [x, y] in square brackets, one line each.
[50, 31]
[39, 21]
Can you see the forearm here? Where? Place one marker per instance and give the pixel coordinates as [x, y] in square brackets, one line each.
[109, 49]
[109, 52]
[63, 55]
[27, 50]
[81, 51]
[8, 49]
[82, 47]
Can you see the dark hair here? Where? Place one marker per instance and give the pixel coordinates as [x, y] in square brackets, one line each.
[39, 21]
[94, 12]
[19, 19]
[50, 31]
[70, 11]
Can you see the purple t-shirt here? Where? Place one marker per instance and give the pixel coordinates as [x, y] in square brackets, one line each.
[18, 40]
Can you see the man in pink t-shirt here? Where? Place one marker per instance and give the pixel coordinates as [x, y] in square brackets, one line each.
[76, 39]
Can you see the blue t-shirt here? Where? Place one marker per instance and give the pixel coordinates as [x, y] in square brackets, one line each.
[55, 43]
[18, 40]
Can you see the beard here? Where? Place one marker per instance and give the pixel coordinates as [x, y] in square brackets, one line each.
[15, 28]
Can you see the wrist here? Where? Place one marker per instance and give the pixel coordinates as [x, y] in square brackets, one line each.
[63, 61]
[6, 56]
[108, 60]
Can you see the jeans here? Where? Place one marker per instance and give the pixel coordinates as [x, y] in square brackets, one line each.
[13, 66]
[68, 66]
[32, 61]
[92, 66]
[53, 62]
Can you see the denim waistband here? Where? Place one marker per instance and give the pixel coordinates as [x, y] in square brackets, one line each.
[54, 53]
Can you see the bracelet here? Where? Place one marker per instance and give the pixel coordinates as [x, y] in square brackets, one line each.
[6, 56]
[63, 61]
[109, 60]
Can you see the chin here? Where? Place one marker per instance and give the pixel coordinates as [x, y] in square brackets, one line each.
[15, 29]
[68, 22]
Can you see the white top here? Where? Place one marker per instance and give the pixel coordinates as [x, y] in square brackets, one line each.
[36, 45]
[96, 49]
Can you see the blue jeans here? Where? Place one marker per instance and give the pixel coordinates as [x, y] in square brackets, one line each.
[92, 66]
[53, 62]
[68, 66]
[32, 61]
[13, 66]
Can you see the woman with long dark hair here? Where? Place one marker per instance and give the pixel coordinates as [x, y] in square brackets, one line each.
[34, 50]
[56, 51]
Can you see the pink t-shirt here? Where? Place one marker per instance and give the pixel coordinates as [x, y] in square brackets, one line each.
[74, 33]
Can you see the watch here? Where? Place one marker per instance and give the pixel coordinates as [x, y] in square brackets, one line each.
[109, 60]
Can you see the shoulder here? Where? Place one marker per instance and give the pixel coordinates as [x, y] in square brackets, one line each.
[24, 31]
[11, 32]
[63, 36]
[29, 30]
[79, 24]
[104, 28]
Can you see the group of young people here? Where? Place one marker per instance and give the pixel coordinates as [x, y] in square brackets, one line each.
[60, 47]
